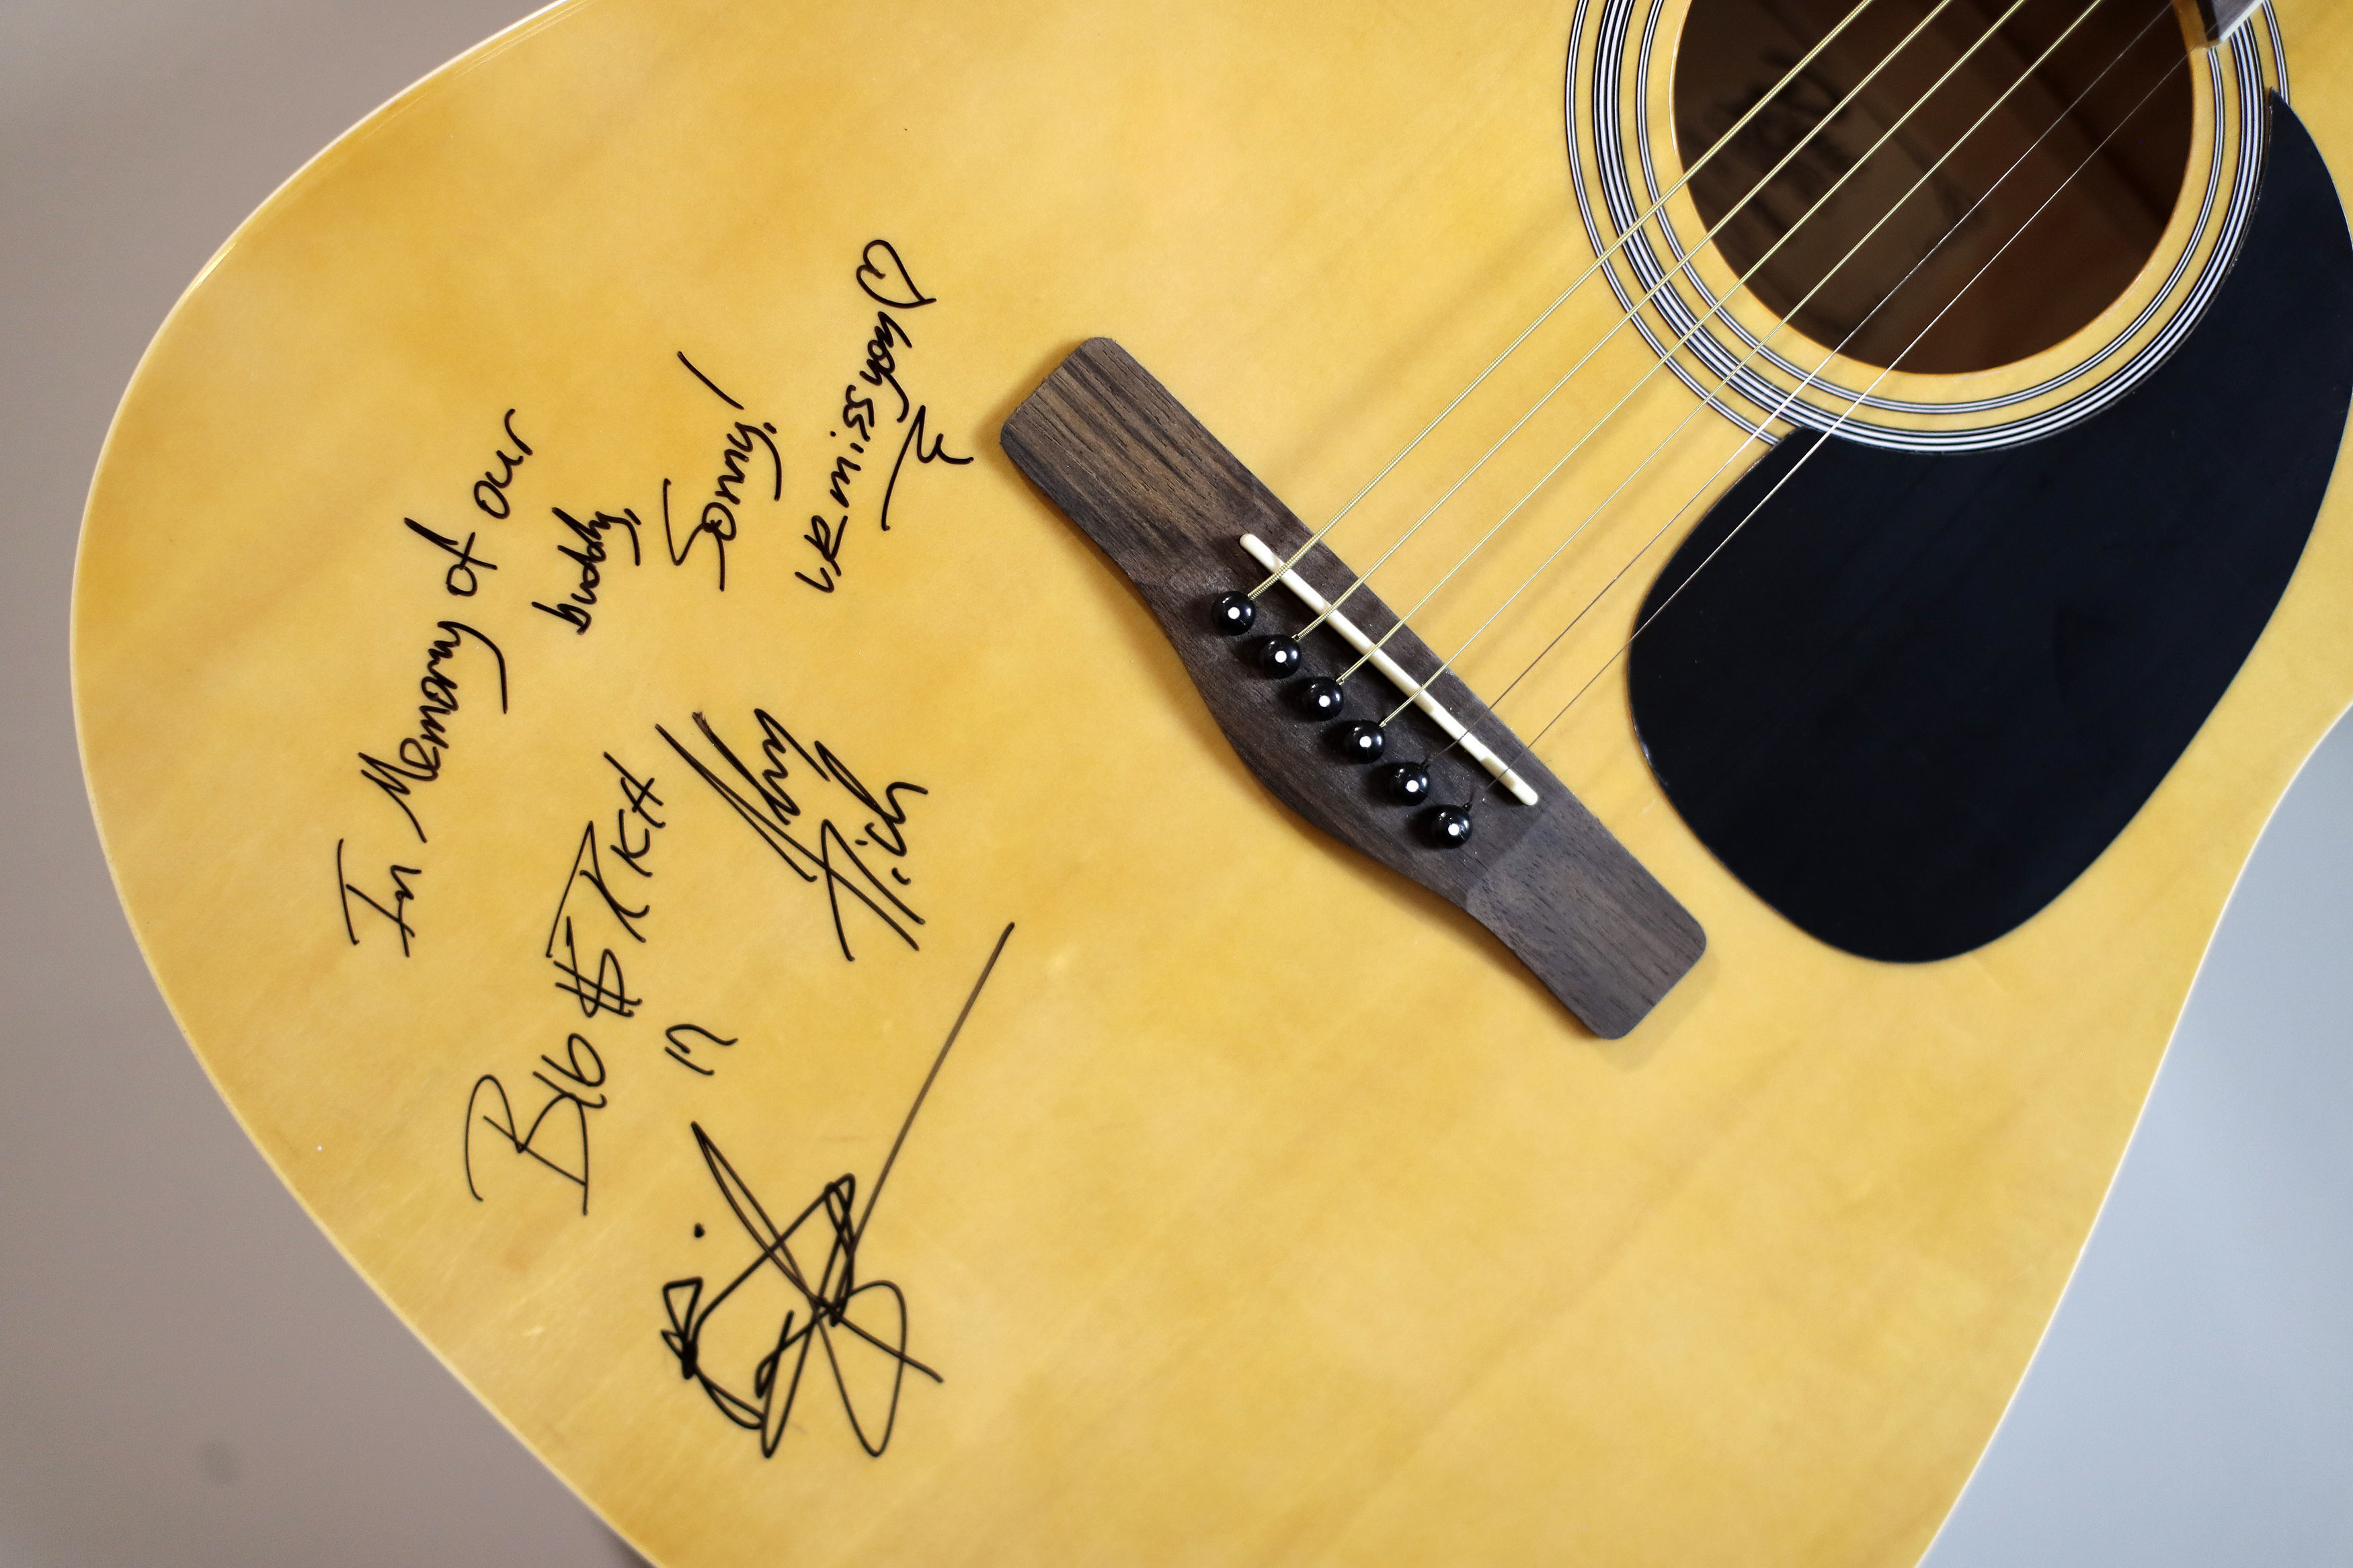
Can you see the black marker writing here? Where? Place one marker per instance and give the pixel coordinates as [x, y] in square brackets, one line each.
[934, 453]
[588, 556]
[460, 579]
[824, 1303]
[417, 759]
[556, 1138]
[491, 489]
[398, 898]
[637, 794]
[862, 422]
[718, 518]
[884, 277]
[822, 855]
[680, 1048]
[569, 1097]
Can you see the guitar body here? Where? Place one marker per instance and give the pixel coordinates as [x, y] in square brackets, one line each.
[1245, 1202]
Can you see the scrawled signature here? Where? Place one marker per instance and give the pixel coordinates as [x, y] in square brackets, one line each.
[829, 1309]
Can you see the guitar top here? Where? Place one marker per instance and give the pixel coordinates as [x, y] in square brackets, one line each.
[712, 672]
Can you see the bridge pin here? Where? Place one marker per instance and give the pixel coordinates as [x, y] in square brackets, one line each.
[1360, 741]
[1320, 697]
[1408, 783]
[1447, 827]
[1277, 656]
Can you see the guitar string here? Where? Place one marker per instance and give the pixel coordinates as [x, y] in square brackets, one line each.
[1529, 746]
[1730, 377]
[1578, 282]
[1602, 260]
[1714, 311]
[1523, 749]
[1360, 578]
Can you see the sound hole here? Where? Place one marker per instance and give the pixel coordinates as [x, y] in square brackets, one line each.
[2130, 144]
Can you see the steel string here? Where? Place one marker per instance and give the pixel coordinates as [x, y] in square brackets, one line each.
[1361, 578]
[1529, 746]
[1733, 374]
[1615, 246]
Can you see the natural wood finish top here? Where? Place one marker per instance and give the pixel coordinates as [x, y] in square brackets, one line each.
[1122, 456]
[1265, 1209]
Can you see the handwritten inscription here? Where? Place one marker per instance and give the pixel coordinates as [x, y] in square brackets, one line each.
[605, 989]
[539, 1111]
[416, 758]
[915, 446]
[683, 1039]
[393, 907]
[864, 428]
[588, 554]
[717, 519]
[491, 489]
[882, 278]
[461, 577]
[815, 849]
[557, 1135]
[803, 1277]
[454, 674]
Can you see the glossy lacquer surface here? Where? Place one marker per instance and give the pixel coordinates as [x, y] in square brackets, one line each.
[1243, 1202]
[1911, 696]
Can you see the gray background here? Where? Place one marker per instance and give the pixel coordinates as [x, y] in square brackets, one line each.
[189, 1375]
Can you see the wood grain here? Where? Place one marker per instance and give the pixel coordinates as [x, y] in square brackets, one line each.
[1267, 1209]
[1167, 501]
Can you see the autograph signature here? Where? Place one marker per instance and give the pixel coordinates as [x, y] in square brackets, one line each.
[774, 813]
[882, 275]
[827, 1308]
[579, 1086]
[736, 464]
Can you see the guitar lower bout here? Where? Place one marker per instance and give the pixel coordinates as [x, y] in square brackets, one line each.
[585, 972]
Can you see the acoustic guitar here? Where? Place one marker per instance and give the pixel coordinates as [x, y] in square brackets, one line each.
[1230, 782]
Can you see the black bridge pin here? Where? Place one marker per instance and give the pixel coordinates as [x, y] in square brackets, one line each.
[1320, 697]
[1360, 741]
[1408, 783]
[1277, 656]
[1447, 827]
[1232, 613]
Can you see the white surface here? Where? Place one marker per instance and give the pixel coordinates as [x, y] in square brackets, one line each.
[189, 1375]
[2192, 1403]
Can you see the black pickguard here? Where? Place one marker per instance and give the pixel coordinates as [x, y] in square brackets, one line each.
[1917, 695]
